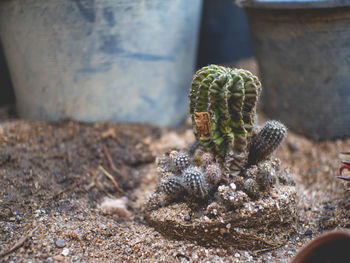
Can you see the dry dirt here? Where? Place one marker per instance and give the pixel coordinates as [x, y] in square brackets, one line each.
[54, 177]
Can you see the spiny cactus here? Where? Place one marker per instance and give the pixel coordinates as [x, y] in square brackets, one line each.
[174, 162]
[213, 174]
[181, 161]
[179, 176]
[195, 182]
[172, 185]
[251, 187]
[266, 141]
[223, 107]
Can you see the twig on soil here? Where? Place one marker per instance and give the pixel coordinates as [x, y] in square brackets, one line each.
[273, 247]
[91, 185]
[64, 190]
[98, 184]
[110, 177]
[19, 243]
[110, 160]
[69, 157]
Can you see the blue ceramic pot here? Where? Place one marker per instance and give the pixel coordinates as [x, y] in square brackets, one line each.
[124, 60]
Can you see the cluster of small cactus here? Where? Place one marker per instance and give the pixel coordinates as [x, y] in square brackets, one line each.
[223, 107]
[179, 176]
[226, 187]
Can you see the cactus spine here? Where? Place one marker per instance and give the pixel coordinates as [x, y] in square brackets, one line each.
[223, 107]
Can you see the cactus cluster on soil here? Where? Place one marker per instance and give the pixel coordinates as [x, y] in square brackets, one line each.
[223, 110]
[179, 176]
[231, 167]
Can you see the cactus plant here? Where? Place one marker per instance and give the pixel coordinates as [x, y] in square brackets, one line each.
[180, 176]
[172, 185]
[266, 141]
[223, 107]
[229, 180]
[195, 182]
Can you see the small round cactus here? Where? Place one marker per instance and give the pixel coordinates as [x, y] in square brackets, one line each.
[206, 158]
[181, 161]
[195, 182]
[223, 106]
[265, 176]
[266, 141]
[251, 187]
[172, 186]
[213, 174]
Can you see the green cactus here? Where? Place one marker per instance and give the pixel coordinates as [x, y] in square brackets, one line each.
[223, 107]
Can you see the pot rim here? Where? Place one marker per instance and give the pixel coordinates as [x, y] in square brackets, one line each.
[292, 4]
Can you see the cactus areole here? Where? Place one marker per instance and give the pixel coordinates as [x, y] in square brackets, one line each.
[223, 107]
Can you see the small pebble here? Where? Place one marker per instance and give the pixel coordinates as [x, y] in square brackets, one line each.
[81, 217]
[60, 243]
[65, 252]
[293, 147]
[59, 258]
[237, 255]
[308, 232]
[187, 218]
[233, 186]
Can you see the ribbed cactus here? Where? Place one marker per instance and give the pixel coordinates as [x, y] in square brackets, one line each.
[223, 107]
[266, 141]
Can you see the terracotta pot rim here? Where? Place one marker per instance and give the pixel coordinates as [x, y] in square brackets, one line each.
[312, 246]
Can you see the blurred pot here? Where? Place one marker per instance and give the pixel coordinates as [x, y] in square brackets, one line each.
[124, 60]
[303, 52]
[224, 34]
[331, 247]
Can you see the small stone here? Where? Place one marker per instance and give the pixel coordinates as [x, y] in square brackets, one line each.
[223, 231]
[233, 186]
[65, 252]
[308, 232]
[116, 206]
[81, 217]
[59, 258]
[60, 243]
[187, 218]
[293, 147]
[221, 188]
[237, 255]
[206, 219]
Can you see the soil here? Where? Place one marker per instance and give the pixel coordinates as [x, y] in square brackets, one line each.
[52, 186]
[54, 178]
